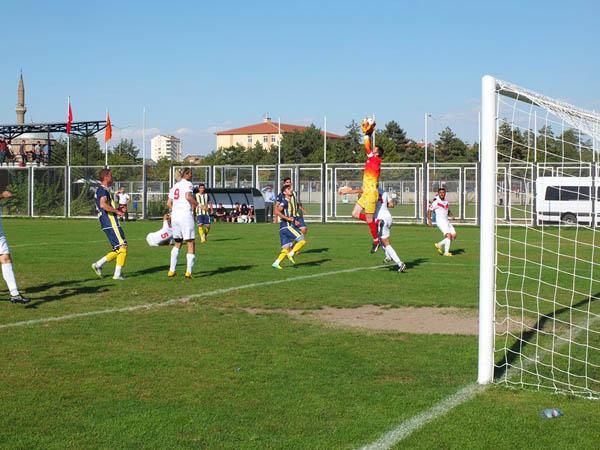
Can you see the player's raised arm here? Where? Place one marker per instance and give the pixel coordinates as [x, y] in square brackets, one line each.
[368, 126]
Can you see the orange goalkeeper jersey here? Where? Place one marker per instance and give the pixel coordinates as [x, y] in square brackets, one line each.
[372, 172]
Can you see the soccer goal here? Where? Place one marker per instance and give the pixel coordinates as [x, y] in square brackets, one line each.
[540, 242]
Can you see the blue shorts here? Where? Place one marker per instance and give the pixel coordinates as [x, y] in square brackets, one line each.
[203, 219]
[289, 234]
[116, 237]
[301, 221]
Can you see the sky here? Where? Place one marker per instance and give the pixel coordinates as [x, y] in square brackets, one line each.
[200, 67]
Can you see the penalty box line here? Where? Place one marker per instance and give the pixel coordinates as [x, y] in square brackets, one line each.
[185, 299]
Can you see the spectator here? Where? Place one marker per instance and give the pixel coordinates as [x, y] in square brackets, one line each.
[22, 154]
[123, 202]
[46, 154]
[234, 213]
[221, 213]
[10, 156]
[269, 197]
[251, 217]
[37, 153]
[3, 150]
[243, 214]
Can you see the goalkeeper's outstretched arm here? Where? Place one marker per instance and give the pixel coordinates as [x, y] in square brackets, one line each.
[367, 127]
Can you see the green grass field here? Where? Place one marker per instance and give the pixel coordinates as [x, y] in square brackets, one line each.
[205, 373]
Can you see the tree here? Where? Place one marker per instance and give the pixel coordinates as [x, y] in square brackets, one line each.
[125, 152]
[80, 155]
[395, 133]
[449, 147]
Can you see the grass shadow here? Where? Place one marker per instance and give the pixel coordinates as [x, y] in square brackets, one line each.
[224, 239]
[318, 262]
[66, 293]
[316, 250]
[458, 251]
[222, 270]
[516, 350]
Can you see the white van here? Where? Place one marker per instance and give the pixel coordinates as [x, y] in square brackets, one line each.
[566, 200]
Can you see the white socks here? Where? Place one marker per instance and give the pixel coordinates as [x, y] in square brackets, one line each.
[118, 271]
[446, 244]
[190, 262]
[174, 255]
[391, 253]
[101, 262]
[9, 277]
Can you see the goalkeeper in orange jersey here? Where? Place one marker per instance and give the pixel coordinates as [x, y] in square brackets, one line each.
[364, 209]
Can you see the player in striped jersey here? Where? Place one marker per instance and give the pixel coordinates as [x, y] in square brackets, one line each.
[109, 215]
[203, 212]
[296, 208]
[292, 240]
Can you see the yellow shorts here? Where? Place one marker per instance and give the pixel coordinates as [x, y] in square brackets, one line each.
[368, 201]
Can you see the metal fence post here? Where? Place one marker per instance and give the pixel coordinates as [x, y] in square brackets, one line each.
[144, 192]
[324, 188]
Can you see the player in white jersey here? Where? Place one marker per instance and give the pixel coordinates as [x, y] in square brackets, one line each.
[383, 219]
[384, 223]
[442, 212]
[164, 236]
[182, 205]
[6, 262]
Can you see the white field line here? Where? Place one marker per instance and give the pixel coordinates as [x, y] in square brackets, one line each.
[406, 428]
[182, 299]
[443, 407]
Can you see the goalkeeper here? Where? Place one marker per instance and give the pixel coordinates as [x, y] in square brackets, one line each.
[364, 209]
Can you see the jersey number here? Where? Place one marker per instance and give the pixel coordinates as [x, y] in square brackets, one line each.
[164, 235]
[176, 194]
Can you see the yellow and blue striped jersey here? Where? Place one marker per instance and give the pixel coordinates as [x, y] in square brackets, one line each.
[203, 204]
[107, 219]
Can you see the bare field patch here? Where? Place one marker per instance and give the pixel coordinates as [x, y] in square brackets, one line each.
[426, 320]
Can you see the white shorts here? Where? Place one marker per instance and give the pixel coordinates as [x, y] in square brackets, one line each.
[4, 250]
[183, 228]
[445, 227]
[385, 225]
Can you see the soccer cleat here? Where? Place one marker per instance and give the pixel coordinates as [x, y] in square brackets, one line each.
[290, 258]
[119, 278]
[97, 269]
[188, 275]
[171, 274]
[448, 254]
[276, 265]
[401, 267]
[18, 299]
[438, 247]
[375, 246]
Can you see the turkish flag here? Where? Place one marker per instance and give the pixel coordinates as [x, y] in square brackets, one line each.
[108, 130]
[69, 118]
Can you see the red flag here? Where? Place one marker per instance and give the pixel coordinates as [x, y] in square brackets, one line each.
[69, 118]
[108, 130]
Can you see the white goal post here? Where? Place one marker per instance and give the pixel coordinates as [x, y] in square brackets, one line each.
[539, 282]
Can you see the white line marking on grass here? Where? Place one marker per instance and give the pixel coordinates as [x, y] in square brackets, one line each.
[413, 424]
[464, 395]
[183, 299]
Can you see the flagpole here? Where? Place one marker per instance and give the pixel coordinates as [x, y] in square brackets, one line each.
[106, 146]
[325, 139]
[68, 136]
[144, 136]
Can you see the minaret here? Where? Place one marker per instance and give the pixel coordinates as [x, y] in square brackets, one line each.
[21, 109]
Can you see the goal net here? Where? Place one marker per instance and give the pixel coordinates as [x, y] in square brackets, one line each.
[540, 254]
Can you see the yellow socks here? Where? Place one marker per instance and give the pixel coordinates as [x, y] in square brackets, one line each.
[283, 254]
[298, 246]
